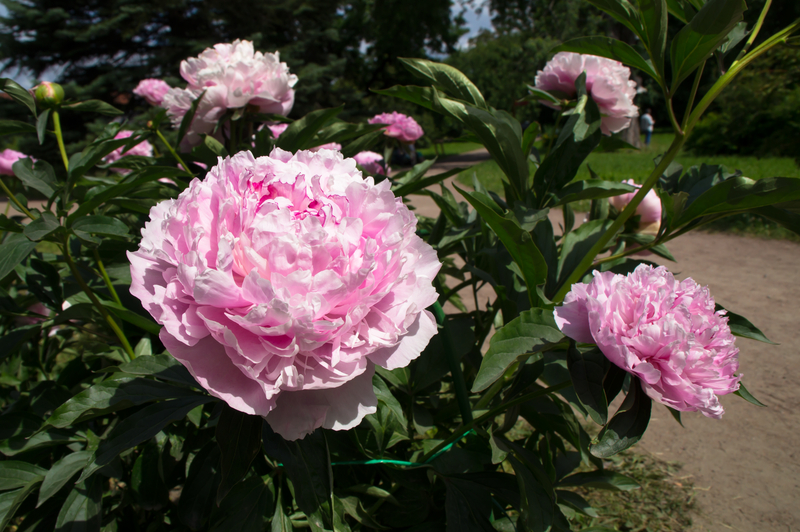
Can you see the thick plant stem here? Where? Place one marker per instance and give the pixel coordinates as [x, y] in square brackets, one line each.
[462, 395]
[693, 94]
[754, 33]
[96, 302]
[106, 278]
[626, 213]
[491, 414]
[173, 152]
[14, 199]
[60, 139]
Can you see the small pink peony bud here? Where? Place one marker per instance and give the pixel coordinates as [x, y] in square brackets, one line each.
[49, 94]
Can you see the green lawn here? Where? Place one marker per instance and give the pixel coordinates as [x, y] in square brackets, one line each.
[637, 164]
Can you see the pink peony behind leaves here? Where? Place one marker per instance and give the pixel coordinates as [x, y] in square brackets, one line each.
[144, 149]
[371, 162]
[152, 90]
[7, 159]
[401, 127]
[664, 331]
[608, 82]
[233, 75]
[329, 146]
[277, 129]
[649, 210]
[282, 281]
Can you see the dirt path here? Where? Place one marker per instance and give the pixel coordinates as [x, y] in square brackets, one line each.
[745, 468]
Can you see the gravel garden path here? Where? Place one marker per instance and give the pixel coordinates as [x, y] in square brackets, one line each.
[745, 468]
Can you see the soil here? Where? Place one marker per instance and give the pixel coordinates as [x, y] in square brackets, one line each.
[744, 467]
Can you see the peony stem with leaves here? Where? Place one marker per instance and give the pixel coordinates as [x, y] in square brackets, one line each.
[60, 139]
[173, 152]
[462, 395]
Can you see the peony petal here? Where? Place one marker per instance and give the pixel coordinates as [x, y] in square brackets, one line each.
[410, 346]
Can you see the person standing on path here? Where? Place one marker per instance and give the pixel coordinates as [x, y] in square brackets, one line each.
[646, 122]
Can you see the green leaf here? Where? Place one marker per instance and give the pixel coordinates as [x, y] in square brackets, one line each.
[15, 127]
[146, 483]
[41, 125]
[540, 95]
[537, 509]
[81, 163]
[18, 94]
[61, 472]
[239, 439]
[601, 479]
[186, 121]
[20, 497]
[575, 502]
[700, 37]
[13, 251]
[39, 176]
[653, 15]
[517, 241]
[529, 137]
[19, 444]
[747, 396]
[587, 370]
[468, 506]
[741, 326]
[591, 189]
[451, 80]
[246, 508]
[83, 509]
[16, 474]
[299, 134]
[736, 35]
[215, 146]
[362, 143]
[422, 96]
[577, 243]
[41, 226]
[681, 10]
[415, 186]
[164, 367]
[528, 332]
[280, 521]
[610, 48]
[94, 106]
[353, 507]
[622, 11]
[113, 395]
[628, 424]
[197, 498]
[100, 225]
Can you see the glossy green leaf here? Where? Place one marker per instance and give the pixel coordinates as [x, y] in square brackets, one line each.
[19, 498]
[86, 160]
[591, 189]
[15, 127]
[83, 509]
[575, 502]
[13, 251]
[145, 481]
[239, 439]
[577, 243]
[16, 474]
[215, 146]
[18, 93]
[527, 333]
[199, 491]
[536, 507]
[246, 508]
[587, 370]
[39, 176]
[449, 79]
[422, 96]
[741, 326]
[280, 521]
[61, 472]
[747, 396]
[628, 424]
[41, 226]
[653, 15]
[601, 479]
[610, 48]
[621, 10]
[187, 119]
[164, 367]
[468, 506]
[94, 106]
[300, 133]
[425, 182]
[100, 225]
[700, 37]
[46, 438]
[540, 95]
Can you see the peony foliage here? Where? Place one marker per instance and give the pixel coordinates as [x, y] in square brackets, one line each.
[242, 324]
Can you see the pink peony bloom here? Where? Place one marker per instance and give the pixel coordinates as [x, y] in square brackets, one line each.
[7, 159]
[152, 90]
[144, 149]
[329, 146]
[371, 162]
[649, 210]
[277, 129]
[233, 76]
[608, 82]
[37, 308]
[282, 281]
[662, 330]
[402, 127]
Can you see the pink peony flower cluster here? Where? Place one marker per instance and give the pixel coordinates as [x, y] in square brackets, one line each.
[7, 159]
[232, 76]
[282, 281]
[608, 82]
[401, 127]
[144, 149]
[152, 90]
[664, 331]
[371, 162]
[649, 210]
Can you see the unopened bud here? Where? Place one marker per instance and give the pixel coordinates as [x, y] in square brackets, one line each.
[49, 94]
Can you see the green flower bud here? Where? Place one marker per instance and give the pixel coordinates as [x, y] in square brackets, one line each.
[49, 94]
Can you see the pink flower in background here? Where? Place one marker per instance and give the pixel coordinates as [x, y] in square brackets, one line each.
[329, 146]
[232, 76]
[37, 308]
[144, 149]
[277, 129]
[664, 331]
[608, 82]
[152, 90]
[371, 162]
[282, 281]
[402, 127]
[7, 159]
[649, 210]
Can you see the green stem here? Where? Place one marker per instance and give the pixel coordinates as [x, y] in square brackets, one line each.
[60, 139]
[106, 278]
[450, 293]
[555, 134]
[14, 199]
[693, 94]
[495, 388]
[103, 312]
[672, 118]
[626, 213]
[491, 415]
[173, 152]
[462, 395]
[754, 32]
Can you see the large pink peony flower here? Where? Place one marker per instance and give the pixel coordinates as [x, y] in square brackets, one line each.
[7, 159]
[402, 127]
[371, 162]
[649, 210]
[608, 82]
[144, 149]
[233, 76]
[282, 281]
[152, 90]
[662, 330]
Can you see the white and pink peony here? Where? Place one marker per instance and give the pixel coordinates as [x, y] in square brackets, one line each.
[282, 281]
[399, 126]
